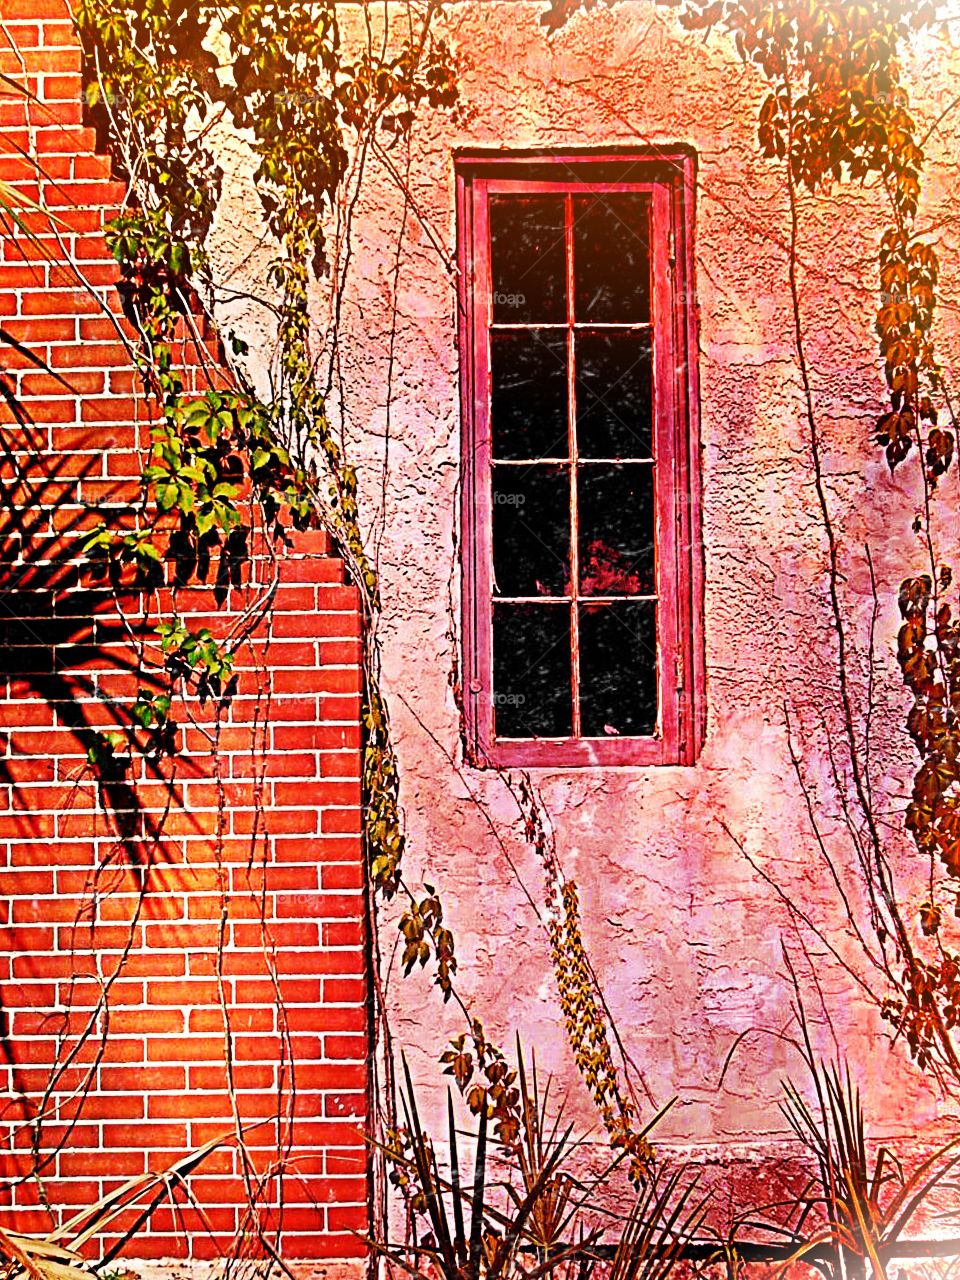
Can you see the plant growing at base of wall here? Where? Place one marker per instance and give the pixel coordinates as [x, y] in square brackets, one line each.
[121, 1214]
[529, 1210]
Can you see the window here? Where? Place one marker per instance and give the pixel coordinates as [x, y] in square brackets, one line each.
[582, 581]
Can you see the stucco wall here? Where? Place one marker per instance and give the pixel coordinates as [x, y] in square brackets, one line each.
[685, 936]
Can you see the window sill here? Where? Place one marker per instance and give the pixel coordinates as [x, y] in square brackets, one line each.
[578, 753]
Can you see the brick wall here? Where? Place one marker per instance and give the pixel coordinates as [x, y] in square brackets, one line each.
[132, 889]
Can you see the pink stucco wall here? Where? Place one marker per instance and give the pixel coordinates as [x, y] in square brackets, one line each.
[686, 938]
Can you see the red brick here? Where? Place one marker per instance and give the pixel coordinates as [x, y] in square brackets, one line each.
[324, 1076]
[26, 882]
[142, 1079]
[322, 848]
[164, 1061]
[81, 382]
[64, 410]
[186, 1049]
[245, 1076]
[343, 933]
[56, 302]
[342, 708]
[21, 276]
[315, 737]
[339, 1018]
[344, 991]
[52, 966]
[143, 1135]
[56, 31]
[67, 140]
[306, 990]
[26, 826]
[42, 330]
[130, 1105]
[325, 1245]
[341, 652]
[299, 934]
[342, 820]
[22, 35]
[320, 905]
[347, 1218]
[342, 875]
[240, 1020]
[87, 355]
[75, 1164]
[345, 1046]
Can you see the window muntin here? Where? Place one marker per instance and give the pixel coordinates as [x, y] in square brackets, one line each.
[580, 584]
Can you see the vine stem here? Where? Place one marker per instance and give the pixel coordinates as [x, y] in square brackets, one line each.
[833, 578]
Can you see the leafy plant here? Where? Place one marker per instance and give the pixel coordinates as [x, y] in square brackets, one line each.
[540, 1215]
[555, 1204]
[663, 1220]
[57, 1255]
[466, 1236]
[856, 1206]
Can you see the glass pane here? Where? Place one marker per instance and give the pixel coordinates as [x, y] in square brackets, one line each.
[611, 258]
[528, 398]
[614, 394]
[531, 671]
[618, 669]
[531, 530]
[528, 261]
[616, 516]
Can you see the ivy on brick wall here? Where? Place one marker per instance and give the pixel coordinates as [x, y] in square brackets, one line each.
[229, 470]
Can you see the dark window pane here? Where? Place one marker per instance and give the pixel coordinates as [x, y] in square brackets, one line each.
[614, 394]
[531, 671]
[616, 529]
[528, 400]
[531, 530]
[528, 262]
[611, 258]
[618, 669]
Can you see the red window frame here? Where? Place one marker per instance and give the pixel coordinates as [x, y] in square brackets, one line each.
[668, 177]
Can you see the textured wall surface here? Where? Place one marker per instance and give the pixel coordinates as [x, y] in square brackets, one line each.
[115, 905]
[686, 937]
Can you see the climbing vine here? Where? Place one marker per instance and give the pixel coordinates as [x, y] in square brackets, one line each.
[585, 1019]
[231, 473]
[836, 109]
[226, 468]
[231, 477]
